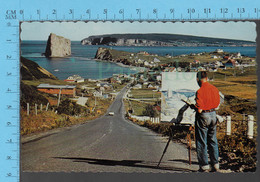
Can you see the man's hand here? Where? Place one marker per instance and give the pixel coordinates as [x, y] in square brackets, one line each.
[192, 106]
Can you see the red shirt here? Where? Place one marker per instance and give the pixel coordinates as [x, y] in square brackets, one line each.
[207, 97]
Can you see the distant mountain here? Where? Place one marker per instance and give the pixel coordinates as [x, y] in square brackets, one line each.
[161, 40]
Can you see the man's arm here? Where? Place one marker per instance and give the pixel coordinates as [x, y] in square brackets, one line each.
[199, 102]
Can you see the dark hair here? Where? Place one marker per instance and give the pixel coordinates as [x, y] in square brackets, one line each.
[202, 74]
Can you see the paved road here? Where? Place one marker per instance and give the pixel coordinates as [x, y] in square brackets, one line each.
[107, 144]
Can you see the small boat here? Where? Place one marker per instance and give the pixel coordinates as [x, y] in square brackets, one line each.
[56, 70]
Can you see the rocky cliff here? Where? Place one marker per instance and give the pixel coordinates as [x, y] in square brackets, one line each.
[161, 40]
[103, 54]
[32, 71]
[57, 46]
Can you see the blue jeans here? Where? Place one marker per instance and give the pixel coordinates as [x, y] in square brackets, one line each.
[206, 140]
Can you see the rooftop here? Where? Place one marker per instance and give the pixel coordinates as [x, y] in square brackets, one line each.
[43, 85]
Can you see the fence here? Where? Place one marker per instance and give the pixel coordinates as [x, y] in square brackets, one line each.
[145, 118]
[228, 131]
[36, 108]
[250, 126]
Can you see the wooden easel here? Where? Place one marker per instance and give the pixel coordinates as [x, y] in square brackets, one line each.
[190, 128]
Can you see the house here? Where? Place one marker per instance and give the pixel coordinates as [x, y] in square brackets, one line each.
[92, 80]
[98, 93]
[145, 83]
[102, 89]
[214, 57]
[179, 69]
[156, 60]
[137, 86]
[146, 63]
[105, 85]
[238, 55]
[151, 86]
[140, 61]
[218, 63]
[75, 78]
[69, 90]
[219, 50]
[196, 62]
[143, 52]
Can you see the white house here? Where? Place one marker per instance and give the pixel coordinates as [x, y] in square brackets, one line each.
[218, 63]
[155, 60]
[75, 78]
[219, 50]
[145, 83]
[150, 86]
[179, 69]
[137, 86]
[146, 63]
[97, 93]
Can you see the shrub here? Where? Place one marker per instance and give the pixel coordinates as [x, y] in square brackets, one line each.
[70, 108]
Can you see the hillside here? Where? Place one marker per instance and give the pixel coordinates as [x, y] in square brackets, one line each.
[161, 40]
[32, 71]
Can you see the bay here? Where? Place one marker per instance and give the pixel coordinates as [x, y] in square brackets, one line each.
[81, 61]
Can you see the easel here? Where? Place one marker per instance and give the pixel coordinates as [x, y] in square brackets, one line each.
[187, 127]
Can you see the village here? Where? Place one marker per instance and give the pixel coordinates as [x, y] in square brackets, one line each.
[144, 87]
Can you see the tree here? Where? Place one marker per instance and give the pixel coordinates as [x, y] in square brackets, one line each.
[150, 111]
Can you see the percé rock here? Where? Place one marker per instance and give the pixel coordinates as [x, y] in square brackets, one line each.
[32, 71]
[103, 54]
[57, 46]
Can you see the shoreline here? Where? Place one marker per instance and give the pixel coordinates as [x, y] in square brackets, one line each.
[139, 69]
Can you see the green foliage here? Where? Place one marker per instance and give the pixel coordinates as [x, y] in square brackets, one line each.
[71, 108]
[238, 152]
[29, 94]
[150, 111]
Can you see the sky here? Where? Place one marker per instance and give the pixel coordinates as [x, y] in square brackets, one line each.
[80, 30]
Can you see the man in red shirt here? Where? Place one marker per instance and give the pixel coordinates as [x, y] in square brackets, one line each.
[207, 100]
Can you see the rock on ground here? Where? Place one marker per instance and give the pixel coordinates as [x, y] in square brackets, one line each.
[103, 54]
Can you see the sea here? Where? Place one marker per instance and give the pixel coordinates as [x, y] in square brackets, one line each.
[82, 61]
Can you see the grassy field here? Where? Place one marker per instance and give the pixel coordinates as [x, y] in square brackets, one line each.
[47, 120]
[144, 93]
[138, 107]
[49, 81]
[239, 91]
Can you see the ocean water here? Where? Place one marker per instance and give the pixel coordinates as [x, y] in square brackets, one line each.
[81, 61]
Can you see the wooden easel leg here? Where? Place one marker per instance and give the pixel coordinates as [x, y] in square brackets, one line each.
[189, 147]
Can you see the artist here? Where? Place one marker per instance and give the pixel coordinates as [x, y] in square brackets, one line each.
[207, 100]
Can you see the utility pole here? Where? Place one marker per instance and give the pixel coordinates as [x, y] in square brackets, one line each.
[28, 109]
[59, 98]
